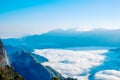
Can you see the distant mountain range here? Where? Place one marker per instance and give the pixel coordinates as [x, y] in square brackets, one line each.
[68, 38]
[29, 66]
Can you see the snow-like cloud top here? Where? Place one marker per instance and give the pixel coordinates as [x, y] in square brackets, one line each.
[71, 63]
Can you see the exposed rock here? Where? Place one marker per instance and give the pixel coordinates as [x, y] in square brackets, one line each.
[6, 72]
[28, 67]
[2, 54]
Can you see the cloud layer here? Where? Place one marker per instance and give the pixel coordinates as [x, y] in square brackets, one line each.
[108, 75]
[70, 63]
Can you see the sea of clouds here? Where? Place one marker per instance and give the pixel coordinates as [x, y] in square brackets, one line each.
[77, 64]
[108, 75]
[72, 63]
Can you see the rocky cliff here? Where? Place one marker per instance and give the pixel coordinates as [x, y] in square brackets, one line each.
[23, 62]
[3, 56]
[6, 72]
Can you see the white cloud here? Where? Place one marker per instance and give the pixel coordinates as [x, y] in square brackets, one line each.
[108, 75]
[72, 63]
[91, 27]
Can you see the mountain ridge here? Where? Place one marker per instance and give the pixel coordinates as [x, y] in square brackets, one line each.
[68, 38]
[6, 71]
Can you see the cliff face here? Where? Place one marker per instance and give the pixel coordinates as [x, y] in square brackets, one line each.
[3, 56]
[30, 68]
[6, 72]
[25, 64]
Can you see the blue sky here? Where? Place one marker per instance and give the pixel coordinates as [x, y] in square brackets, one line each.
[22, 17]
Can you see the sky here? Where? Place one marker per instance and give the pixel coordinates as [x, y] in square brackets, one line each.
[24, 17]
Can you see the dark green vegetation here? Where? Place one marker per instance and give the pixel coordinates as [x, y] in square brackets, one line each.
[56, 78]
[70, 78]
[7, 73]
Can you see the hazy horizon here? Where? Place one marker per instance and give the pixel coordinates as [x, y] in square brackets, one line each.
[24, 17]
[65, 30]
